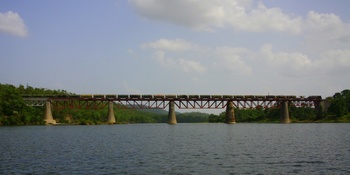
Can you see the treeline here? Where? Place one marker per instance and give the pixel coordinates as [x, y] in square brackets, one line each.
[13, 110]
[337, 109]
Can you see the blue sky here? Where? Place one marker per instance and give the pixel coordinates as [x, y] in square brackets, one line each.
[290, 47]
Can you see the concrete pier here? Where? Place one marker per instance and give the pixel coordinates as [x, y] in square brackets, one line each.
[230, 113]
[284, 112]
[48, 114]
[111, 117]
[171, 114]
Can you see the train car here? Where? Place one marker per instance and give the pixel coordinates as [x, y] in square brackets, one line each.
[86, 96]
[170, 97]
[249, 97]
[260, 97]
[270, 97]
[205, 97]
[123, 96]
[135, 96]
[193, 97]
[291, 97]
[228, 97]
[182, 97]
[110, 96]
[99, 96]
[281, 97]
[158, 97]
[239, 97]
[147, 97]
[315, 97]
[216, 97]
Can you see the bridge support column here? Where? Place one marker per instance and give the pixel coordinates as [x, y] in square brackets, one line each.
[111, 117]
[230, 113]
[284, 113]
[48, 114]
[171, 114]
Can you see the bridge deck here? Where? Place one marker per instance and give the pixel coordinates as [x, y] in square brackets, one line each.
[162, 101]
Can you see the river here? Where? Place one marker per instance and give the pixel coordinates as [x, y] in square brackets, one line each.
[176, 149]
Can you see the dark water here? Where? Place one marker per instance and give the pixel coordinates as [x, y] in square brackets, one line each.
[176, 149]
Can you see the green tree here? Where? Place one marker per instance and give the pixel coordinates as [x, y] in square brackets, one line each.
[340, 104]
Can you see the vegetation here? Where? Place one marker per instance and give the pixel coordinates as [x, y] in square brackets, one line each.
[338, 111]
[13, 111]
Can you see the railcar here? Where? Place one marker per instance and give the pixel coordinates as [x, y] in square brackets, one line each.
[182, 97]
[260, 97]
[249, 97]
[158, 97]
[193, 97]
[239, 97]
[123, 96]
[110, 96]
[205, 97]
[99, 96]
[227, 97]
[281, 97]
[216, 97]
[170, 97]
[147, 97]
[315, 97]
[291, 97]
[270, 97]
[135, 96]
[86, 96]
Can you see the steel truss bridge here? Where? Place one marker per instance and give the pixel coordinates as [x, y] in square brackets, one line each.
[162, 101]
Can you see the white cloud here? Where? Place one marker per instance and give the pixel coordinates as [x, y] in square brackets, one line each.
[326, 31]
[170, 45]
[295, 60]
[296, 63]
[206, 15]
[335, 61]
[188, 57]
[12, 23]
[130, 89]
[180, 64]
[194, 13]
[231, 59]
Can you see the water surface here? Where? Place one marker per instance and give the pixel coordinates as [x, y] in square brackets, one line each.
[176, 149]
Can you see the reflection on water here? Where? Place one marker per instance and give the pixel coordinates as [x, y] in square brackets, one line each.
[176, 149]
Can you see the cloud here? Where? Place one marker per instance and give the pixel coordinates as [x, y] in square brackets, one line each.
[295, 60]
[207, 15]
[299, 64]
[189, 57]
[326, 31]
[12, 23]
[231, 59]
[195, 14]
[180, 64]
[169, 45]
[130, 89]
[335, 61]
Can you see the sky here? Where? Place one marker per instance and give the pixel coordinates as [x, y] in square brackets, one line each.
[289, 47]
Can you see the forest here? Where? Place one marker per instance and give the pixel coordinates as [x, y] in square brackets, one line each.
[13, 111]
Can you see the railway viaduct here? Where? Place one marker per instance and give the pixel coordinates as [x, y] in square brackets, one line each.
[228, 102]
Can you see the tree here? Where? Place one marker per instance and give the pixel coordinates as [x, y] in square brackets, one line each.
[340, 104]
